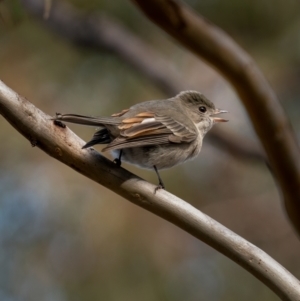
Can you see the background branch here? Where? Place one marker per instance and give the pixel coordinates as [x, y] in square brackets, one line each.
[101, 32]
[268, 118]
[63, 145]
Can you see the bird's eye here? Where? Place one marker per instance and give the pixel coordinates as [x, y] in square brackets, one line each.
[202, 109]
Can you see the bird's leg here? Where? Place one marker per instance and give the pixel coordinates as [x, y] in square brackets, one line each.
[118, 160]
[160, 182]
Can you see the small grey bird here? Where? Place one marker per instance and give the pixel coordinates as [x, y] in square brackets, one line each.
[154, 134]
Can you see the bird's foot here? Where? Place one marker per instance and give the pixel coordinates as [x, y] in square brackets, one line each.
[160, 186]
[118, 162]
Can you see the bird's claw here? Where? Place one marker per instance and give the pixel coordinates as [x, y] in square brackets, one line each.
[118, 162]
[160, 186]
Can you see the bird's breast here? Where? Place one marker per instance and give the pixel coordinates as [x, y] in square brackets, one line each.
[162, 156]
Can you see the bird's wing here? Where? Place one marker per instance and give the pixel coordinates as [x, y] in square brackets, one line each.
[147, 128]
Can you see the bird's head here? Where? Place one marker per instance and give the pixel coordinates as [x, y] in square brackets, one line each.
[202, 111]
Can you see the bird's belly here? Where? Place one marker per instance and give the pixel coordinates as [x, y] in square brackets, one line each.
[162, 156]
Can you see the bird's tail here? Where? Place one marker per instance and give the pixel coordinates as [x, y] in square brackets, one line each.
[87, 120]
[102, 136]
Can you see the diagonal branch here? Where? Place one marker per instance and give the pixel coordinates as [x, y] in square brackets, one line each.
[63, 145]
[268, 118]
[101, 32]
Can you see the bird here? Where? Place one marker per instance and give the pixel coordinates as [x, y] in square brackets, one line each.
[155, 134]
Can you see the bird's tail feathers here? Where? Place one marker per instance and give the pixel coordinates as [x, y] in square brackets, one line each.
[87, 120]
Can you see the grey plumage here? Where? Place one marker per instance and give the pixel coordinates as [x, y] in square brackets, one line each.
[159, 133]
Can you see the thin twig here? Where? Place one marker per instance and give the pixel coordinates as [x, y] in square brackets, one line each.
[47, 8]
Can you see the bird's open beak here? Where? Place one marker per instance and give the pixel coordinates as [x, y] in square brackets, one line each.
[218, 119]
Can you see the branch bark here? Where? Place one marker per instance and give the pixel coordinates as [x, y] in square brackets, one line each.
[268, 118]
[63, 145]
[101, 32]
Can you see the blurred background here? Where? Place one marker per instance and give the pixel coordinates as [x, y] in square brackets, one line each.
[63, 237]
